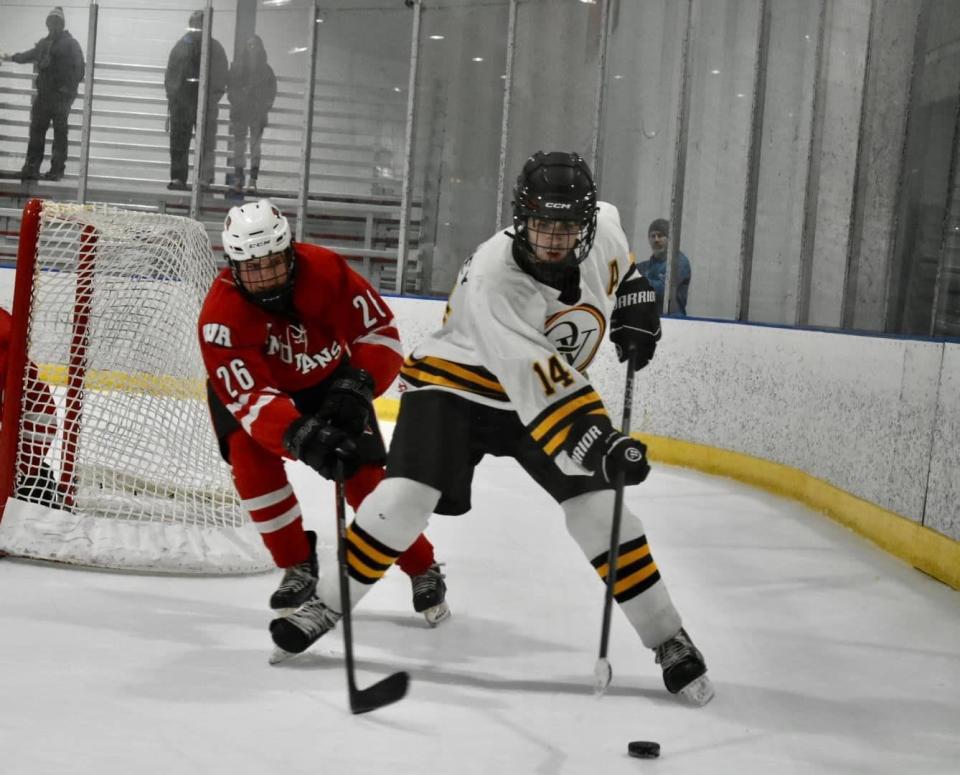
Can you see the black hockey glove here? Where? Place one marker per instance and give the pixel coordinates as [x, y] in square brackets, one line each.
[347, 402]
[40, 488]
[320, 445]
[635, 322]
[594, 444]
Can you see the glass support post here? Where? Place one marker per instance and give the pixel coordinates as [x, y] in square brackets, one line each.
[893, 298]
[505, 117]
[950, 232]
[596, 144]
[680, 161]
[87, 101]
[754, 144]
[303, 195]
[203, 92]
[848, 297]
[814, 151]
[407, 183]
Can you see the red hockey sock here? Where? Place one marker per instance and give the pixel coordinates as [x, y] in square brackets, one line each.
[361, 484]
[267, 496]
[418, 558]
[288, 546]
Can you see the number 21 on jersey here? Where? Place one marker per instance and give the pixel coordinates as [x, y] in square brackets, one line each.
[364, 304]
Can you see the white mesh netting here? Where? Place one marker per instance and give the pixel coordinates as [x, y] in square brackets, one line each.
[128, 475]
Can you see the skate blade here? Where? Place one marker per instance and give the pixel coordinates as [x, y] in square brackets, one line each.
[279, 656]
[698, 692]
[437, 614]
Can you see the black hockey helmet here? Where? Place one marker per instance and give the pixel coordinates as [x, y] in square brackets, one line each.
[556, 186]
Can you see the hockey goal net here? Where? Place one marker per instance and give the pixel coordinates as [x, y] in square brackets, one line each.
[107, 455]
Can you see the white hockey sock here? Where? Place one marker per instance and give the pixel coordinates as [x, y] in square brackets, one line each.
[394, 515]
[641, 594]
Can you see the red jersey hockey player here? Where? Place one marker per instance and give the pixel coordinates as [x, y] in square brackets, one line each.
[35, 480]
[296, 345]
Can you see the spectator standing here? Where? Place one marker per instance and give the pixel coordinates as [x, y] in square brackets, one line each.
[58, 62]
[182, 81]
[251, 91]
[655, 268]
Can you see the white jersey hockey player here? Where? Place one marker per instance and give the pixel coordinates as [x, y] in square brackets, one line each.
[515, 342]
[505, 376]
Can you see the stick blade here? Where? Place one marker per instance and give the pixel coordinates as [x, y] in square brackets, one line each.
[602, 675]
[389, 690]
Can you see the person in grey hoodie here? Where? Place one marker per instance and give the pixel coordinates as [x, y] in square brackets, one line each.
[58, 62]
[251, 91]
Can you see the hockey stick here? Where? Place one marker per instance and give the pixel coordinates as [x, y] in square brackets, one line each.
[602, 672]
[389, 689]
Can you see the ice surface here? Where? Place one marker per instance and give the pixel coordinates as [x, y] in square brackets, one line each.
[828, 655]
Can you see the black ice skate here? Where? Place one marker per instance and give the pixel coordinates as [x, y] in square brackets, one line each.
[299, 581]
[297, 632]
[429, 595]
[684, 671]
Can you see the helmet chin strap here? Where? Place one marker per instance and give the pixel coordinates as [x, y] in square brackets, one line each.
[563, 276]
[279, 300]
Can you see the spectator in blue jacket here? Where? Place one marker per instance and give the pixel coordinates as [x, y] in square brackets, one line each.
[58, 62]
[655, 268]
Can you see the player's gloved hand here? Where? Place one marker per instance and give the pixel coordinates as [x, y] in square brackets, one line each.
[594, 444]
[320, 445]
[347, 401]
[635, 321]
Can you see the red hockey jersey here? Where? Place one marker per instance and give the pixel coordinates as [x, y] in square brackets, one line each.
[6, 326]
[39, 416]
[255, 358]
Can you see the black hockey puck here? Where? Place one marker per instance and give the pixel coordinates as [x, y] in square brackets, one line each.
[643, 749]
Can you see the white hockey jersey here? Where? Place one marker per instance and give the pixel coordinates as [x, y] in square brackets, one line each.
[508, 341]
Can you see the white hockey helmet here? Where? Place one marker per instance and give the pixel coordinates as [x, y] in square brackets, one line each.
[255, 230]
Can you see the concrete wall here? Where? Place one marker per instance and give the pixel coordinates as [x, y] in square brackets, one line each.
[877, 417]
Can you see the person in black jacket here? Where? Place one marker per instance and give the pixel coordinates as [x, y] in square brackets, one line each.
[182, 80]
[251, 91]
[58, 63]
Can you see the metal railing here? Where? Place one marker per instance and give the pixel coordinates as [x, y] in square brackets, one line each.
[118, 152]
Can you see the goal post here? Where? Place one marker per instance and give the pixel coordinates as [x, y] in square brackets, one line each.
[107, 454]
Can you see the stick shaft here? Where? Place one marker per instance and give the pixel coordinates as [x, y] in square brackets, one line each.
[615, 525]
[390, 689]
[347, 619]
